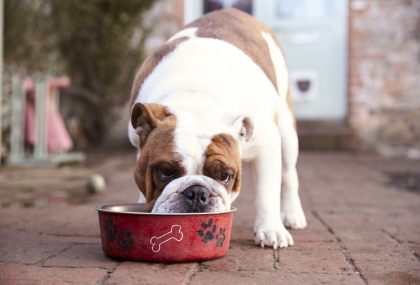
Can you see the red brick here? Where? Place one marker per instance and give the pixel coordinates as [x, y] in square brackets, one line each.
[152, 273]
[314, 232]
[315, 257]
[33, 219]
[50, 220]
[11, 217]
[241, 233]
[261, 277]
[243, 256]
[405, 232]
[396, 271]
[79, 225]
[25, 274]
[28, 248]
[394, 278]
[83, 256]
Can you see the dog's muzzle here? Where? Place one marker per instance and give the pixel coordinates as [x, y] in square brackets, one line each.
[197, 199]
[193, 194]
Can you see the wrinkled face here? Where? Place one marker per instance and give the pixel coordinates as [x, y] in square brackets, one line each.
[176, 182]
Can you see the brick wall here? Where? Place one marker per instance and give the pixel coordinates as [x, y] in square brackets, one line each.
[384, 74]
[166, 18]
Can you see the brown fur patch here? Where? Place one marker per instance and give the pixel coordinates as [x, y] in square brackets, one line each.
[157, 151]
[222, 156]
[241, 30]
[147, 117]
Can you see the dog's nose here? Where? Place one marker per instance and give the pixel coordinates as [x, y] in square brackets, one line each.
[197, 198]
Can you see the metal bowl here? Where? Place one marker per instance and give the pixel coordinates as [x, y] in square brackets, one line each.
[129, 232]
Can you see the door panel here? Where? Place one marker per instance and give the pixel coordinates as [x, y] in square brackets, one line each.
[313, 34]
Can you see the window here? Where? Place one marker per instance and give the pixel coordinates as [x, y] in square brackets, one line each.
[213, 5]
[304, 9]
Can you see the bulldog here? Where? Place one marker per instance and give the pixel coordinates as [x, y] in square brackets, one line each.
[214, 95]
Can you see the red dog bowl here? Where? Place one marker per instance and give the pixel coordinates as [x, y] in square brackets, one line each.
[129, 232]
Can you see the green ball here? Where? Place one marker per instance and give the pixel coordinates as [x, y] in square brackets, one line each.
[95, 183]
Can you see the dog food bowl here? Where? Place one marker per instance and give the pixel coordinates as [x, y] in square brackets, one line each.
[129, 232]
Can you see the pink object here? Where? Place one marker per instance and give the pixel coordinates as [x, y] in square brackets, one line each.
[58, 138]
[128, 232]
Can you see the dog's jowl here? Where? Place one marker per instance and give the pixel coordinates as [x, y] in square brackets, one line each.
[214, 95]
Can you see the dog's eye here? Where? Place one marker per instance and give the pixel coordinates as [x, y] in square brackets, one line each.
[166, 173]
[226, 178]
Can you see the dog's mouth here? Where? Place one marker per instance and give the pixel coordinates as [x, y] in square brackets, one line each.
[194, 194]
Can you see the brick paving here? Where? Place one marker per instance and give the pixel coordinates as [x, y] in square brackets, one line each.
[362, 230]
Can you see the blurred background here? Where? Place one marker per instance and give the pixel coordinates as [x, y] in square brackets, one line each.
[354, 70]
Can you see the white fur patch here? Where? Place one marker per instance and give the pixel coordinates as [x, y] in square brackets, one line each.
[279, 65]
[142, 199]
[168, 201]
[189, 33]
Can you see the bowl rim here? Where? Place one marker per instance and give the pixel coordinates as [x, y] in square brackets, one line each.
[101, 208]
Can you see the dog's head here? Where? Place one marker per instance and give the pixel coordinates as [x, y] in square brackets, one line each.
[182, 169]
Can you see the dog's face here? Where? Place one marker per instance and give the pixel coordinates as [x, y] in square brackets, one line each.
[181, 172]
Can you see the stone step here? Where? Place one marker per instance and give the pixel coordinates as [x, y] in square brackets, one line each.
[326, 136]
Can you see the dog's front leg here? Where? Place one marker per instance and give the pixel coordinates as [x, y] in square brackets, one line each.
[266, 168]
[292, 214]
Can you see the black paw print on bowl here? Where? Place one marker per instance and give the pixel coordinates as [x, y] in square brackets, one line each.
[220, 237]
[208, 230]
[126, 240]
[110, 229]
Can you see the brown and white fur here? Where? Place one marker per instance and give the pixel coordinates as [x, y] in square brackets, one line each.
[214, 95]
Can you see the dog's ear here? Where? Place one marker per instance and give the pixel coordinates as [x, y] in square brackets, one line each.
[243, 128]
[146, 117]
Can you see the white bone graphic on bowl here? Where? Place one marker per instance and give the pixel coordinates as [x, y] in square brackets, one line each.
[175, 234]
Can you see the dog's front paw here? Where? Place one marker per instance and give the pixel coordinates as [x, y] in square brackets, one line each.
[292, 214]
[273, 236]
